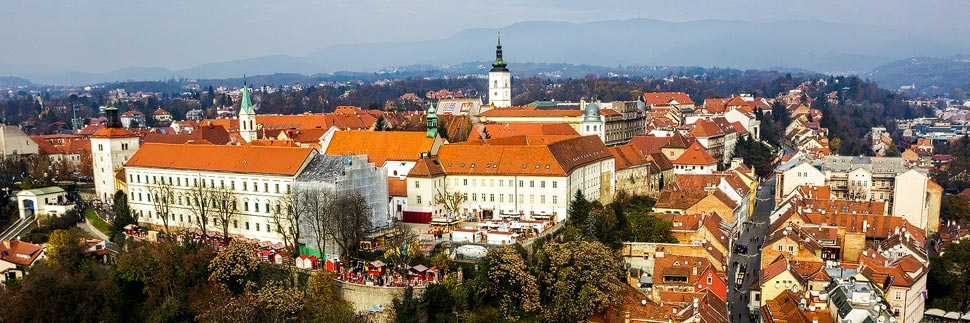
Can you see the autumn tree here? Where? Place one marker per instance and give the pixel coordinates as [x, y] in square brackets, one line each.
[577, 279]
[163, 276]
[234, 267]
[324, 302]
[162, 195]
[505, 278]
[85, 166]
[63, 250]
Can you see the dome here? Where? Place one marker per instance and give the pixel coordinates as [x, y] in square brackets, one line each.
[591, 113]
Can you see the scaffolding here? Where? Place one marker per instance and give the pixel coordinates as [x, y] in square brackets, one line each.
[343, 175]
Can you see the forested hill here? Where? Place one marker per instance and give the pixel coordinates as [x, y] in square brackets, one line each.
[861, 106]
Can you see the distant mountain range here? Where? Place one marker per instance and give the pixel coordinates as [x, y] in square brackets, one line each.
[810, 45]
[946, 73]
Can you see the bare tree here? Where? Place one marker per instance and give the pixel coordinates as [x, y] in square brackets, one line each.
[450, 200]
[201, 204]
[162, 195]
[352, 223]
[225, 208]
[402, 244]
[287, 217]
[318, 207]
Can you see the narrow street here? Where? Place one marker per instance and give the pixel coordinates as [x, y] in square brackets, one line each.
[752, 236]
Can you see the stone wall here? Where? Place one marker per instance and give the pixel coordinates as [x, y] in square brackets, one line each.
[366, 297]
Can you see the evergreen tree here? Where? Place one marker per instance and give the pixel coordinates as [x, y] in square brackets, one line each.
[579, 209]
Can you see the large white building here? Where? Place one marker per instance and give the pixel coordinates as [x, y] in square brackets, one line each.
[527, 176]
[111, 147]
[499, 80]
[258, 176]
[261, 179]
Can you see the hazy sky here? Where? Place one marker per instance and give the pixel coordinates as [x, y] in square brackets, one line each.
[103, 35]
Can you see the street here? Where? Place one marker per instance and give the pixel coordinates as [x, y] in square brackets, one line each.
[754, 232]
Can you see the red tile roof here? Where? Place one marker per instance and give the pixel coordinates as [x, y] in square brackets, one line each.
[664, 98]
[523, 155]
[502, 130]
[381, 146]
[113, 133]
[649, 144]
[234, 159]
[19, 252]
[397, 187]
[695, 155]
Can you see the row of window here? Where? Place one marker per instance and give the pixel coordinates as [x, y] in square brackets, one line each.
[501, 183]
[188, 201]
[177, 182]
[473, 197]
[183, 218]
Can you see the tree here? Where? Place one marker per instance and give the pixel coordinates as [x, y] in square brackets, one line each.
[950, 277]
[234, 267]
[451, 201]
[352, 223]
[507, 281]
[645, 227]
[324, 303]
[577, 279]
[381, 124]
[225, 208]
[201, 204]
[287, 221]
[122, 213]
[63, 250]
[579, 209]
[162, 195]
[958, 94]
[402, 244]
[316, 207]
[485, 135]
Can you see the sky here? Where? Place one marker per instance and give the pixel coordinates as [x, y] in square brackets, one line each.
[106, 35]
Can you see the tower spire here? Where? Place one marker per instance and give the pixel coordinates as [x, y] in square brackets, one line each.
[499, 64]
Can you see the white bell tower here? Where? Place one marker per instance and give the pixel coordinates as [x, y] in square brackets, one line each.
[499, 80]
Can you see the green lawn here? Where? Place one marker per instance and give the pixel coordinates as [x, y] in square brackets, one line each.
[97, 222]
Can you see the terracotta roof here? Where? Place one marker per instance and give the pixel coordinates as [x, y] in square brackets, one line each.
[427, 167]
[627, 156]
[664, 98]
[660, 161]
[523, 155]
[677, 141]
[679, 265]
[235, 159]
[501, 130]
[705, 128]
[649, 144]
[272, 143]
[695, 155]
[381, 146]
[397, 187]
[113, 133]
[716, 105]
[19, 252]
[531, 112]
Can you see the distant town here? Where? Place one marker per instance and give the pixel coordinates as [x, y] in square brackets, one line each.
[718, 196]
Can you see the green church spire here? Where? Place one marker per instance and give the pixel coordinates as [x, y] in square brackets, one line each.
[499, 64]
[247, 104]
[432, 121]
